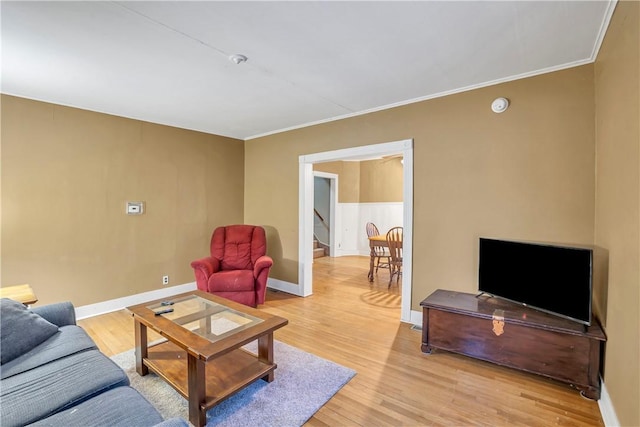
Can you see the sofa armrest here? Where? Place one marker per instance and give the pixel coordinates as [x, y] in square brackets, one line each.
[60, 314]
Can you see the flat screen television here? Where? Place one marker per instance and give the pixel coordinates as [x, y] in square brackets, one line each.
[552, 278]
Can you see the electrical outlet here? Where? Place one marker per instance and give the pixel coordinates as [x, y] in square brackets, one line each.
[165, 280]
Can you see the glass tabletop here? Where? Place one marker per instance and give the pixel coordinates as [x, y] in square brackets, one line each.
[205, 318]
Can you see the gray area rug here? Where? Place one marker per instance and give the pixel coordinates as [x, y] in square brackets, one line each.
[303, 383]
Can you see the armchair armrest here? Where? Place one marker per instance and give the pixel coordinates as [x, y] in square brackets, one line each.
[203, 269]
[261, 272]
[263, 262]
[60, 314]
[207, 265]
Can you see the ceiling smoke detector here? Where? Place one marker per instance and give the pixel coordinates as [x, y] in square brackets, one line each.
[236, 58]
[500, 105]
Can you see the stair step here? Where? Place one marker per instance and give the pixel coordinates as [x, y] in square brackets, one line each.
[318, 252]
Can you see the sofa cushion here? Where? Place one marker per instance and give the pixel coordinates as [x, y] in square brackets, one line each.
[56, 386]
[20, 330]
[120, 406]
[68, 340]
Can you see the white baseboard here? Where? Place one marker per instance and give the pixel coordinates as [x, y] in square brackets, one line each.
[350, 252]
[288, 287]
[96, 309]
[607, 411]
[416, 318]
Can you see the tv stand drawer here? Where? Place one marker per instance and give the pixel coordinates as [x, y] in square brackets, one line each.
[497, 331]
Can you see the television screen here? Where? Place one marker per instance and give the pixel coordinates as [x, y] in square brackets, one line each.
[551, 278]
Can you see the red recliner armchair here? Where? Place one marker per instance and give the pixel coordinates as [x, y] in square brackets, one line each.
[238, 267]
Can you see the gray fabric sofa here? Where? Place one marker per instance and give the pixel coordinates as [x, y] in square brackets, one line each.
[64, 380]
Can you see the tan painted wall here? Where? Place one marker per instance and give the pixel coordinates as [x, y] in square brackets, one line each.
[527, 173]
[370, 181]
[381, 181]
[348, 181]
[617, 99]
[66, 174]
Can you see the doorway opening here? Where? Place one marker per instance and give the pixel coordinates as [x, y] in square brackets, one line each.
[325, 199]
[306, 214]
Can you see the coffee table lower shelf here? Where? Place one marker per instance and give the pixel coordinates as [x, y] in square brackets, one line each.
[225, 375]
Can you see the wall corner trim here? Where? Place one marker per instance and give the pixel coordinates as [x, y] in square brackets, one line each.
[604, 26]
[607, 411]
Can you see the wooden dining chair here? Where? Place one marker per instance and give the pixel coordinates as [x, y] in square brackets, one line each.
[394, 241]
[378, 251]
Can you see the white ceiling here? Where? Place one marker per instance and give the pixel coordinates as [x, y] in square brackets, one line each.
[167, 62]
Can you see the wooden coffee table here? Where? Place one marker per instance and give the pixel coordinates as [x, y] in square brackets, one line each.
[202, 358]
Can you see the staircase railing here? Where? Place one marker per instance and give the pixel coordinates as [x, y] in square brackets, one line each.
[315, 211]
[324, 223]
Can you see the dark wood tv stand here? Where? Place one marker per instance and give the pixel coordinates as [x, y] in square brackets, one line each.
[516, 336]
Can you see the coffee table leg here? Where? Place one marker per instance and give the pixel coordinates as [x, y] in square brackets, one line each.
[142, 350]
[196, 381]
[265, 353]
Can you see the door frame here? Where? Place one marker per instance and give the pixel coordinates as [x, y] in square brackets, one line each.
[305, 211]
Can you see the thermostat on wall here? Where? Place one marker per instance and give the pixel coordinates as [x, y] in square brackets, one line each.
[135, 208]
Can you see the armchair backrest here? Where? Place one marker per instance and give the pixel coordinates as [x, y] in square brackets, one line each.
[238, 246]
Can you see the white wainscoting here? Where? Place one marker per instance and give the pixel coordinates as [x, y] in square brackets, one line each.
[351, 237]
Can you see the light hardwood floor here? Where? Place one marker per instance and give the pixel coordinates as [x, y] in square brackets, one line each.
[356, 324]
